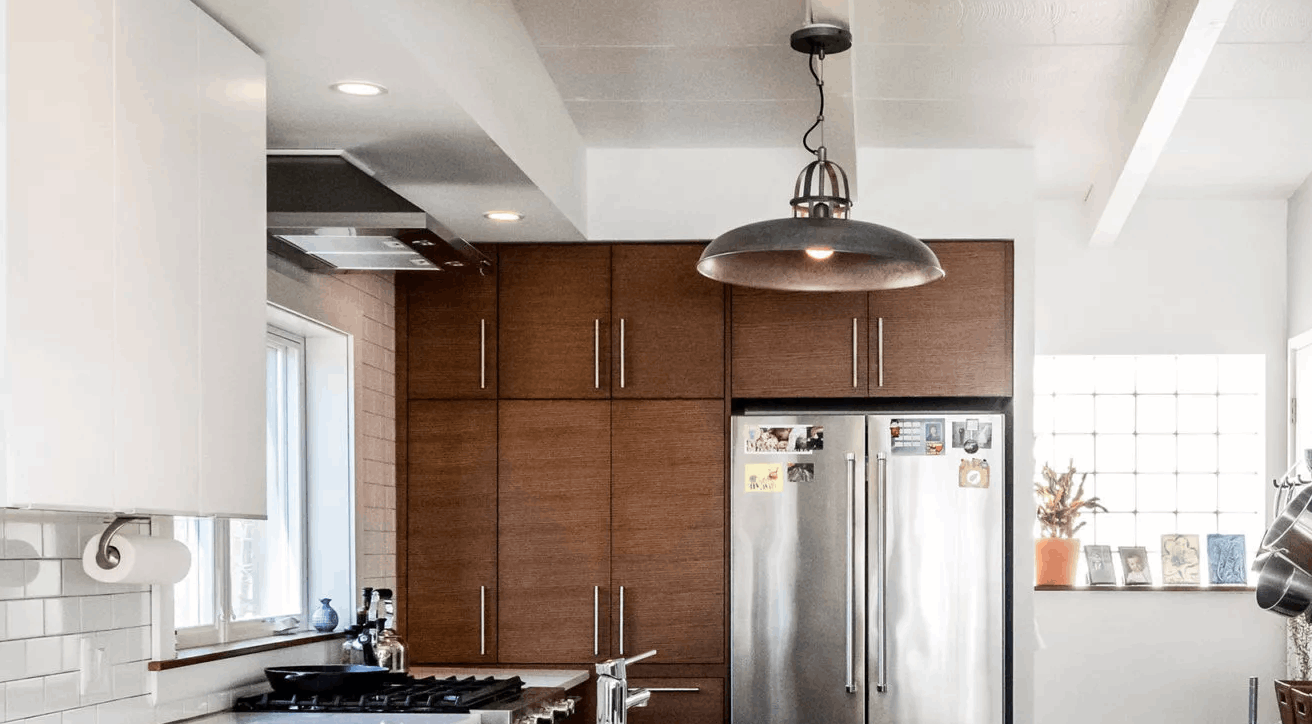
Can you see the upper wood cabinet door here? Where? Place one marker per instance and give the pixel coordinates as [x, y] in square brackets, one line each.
[451, 532]
[667, 528]
[554, 312]
[667, 324]
[952, 337]
[452, 328]
[798, 344]
[554, 531]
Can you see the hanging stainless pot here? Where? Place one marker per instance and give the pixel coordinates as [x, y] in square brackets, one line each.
[1283, 587]
[1290, 534]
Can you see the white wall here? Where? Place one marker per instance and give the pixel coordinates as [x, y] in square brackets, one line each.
[1184, 277]
[1300, 260]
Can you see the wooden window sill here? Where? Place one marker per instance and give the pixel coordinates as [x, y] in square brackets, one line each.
[203, 654]
[1148, 589]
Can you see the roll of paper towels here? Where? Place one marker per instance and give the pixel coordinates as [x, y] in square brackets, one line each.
[142, 559]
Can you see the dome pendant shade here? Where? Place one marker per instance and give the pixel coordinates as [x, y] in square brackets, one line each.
[788, 254]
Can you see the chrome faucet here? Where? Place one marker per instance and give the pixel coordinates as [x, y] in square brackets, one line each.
[614, 697]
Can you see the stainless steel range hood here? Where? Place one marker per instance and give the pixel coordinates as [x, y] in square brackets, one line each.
[326, 214]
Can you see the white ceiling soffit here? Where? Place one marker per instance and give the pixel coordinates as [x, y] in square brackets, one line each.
[465, 128]
[1186, 39]
[1244, 132]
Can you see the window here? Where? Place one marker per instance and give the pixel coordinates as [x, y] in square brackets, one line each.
[247, 574]
[1172, 443]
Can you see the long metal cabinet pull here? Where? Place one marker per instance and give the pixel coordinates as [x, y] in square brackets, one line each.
[881, 351]
[596, 354]
[881, 666]
[596, 620]
[482, 354]
[851, 569]
[676, 689]
[482, 620]
[621, 387]
[854, 358]
[621, 620]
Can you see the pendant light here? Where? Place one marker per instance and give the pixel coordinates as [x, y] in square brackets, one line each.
[819, 249]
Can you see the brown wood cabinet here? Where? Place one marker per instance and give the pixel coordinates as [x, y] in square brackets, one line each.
[699, 701]
[554, 315]
[796, 344]
[554, 531]
[667, 529]
[451, 531]
[949, 338]
[452, 331]
[667, 324]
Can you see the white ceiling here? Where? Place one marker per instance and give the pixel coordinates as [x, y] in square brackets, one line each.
[1049, 74]
[1245, 131]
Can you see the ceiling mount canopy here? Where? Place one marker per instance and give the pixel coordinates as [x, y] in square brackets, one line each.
[819, 249]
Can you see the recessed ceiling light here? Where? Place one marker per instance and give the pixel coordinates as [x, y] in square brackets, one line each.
[359, 88]
[504, 215]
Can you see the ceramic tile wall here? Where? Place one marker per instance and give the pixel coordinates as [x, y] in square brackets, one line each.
[50, 609]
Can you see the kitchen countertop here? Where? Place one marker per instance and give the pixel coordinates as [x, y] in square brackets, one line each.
[306, 717]
[548, 678]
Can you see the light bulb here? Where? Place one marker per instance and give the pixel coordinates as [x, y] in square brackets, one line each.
[819, 254]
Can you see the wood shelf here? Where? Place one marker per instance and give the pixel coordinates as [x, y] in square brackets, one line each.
[1150, 589]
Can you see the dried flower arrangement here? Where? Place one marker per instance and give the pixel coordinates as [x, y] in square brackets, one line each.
[1058, 508]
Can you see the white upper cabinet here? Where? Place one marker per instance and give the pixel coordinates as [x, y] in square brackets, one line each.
[133, 280]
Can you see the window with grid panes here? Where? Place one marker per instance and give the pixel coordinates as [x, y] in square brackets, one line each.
[1172, 444]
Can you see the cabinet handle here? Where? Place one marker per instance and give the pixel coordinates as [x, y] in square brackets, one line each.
[621, 387]
[881, 351]
[596, 620]
[854, 357]
[621, 620]
[596, 354]
[482, 620]
[851, 570]
[881, 662]
[676, 689]
[482, 354]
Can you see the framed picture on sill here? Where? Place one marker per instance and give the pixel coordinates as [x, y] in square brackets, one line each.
[1102, 572]
[1134, 567]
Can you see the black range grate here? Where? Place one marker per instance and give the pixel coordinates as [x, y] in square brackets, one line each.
[432, 695]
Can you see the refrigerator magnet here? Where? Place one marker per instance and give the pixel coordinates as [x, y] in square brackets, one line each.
[764, 478]
[972, 435]
[916, 436]
[973, 473]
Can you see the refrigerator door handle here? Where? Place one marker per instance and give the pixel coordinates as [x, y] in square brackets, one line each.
[851, 570]
[881, 577]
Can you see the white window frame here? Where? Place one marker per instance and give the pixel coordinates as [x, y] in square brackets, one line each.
[224, 629]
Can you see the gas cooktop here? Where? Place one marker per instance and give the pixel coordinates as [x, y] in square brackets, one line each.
[401, 695]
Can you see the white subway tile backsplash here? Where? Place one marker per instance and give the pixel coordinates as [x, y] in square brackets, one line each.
[125, 711]
[61, 540]
[76, 580]
[13, 660]
[25, 619]
[62, 692]
[12, 580]
[117, 644]
[129, 679]
[44, 579]
[131, 610]
[24, 698]
[97, 613]
[79, 716]
[63, 616]
[45, 656]
[23, 539]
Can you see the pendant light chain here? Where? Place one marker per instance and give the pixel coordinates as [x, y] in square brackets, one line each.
[817, 58]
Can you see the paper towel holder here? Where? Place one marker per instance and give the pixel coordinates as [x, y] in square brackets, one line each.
[107, 556]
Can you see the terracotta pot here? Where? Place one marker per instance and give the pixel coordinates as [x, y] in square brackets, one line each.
[1055, 560]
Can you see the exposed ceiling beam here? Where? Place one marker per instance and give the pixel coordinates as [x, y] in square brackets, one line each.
[484, 57]
[1185, 40]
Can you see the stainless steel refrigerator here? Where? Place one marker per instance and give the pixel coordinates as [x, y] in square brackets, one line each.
[869, 569]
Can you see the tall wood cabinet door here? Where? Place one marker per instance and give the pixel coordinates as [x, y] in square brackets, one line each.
[554, 531]
[667, 324]
[452, 323]
[554, 312]
[798, 344]
[451, 531]
[680, 701]
[948, 338]
[667, 554]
